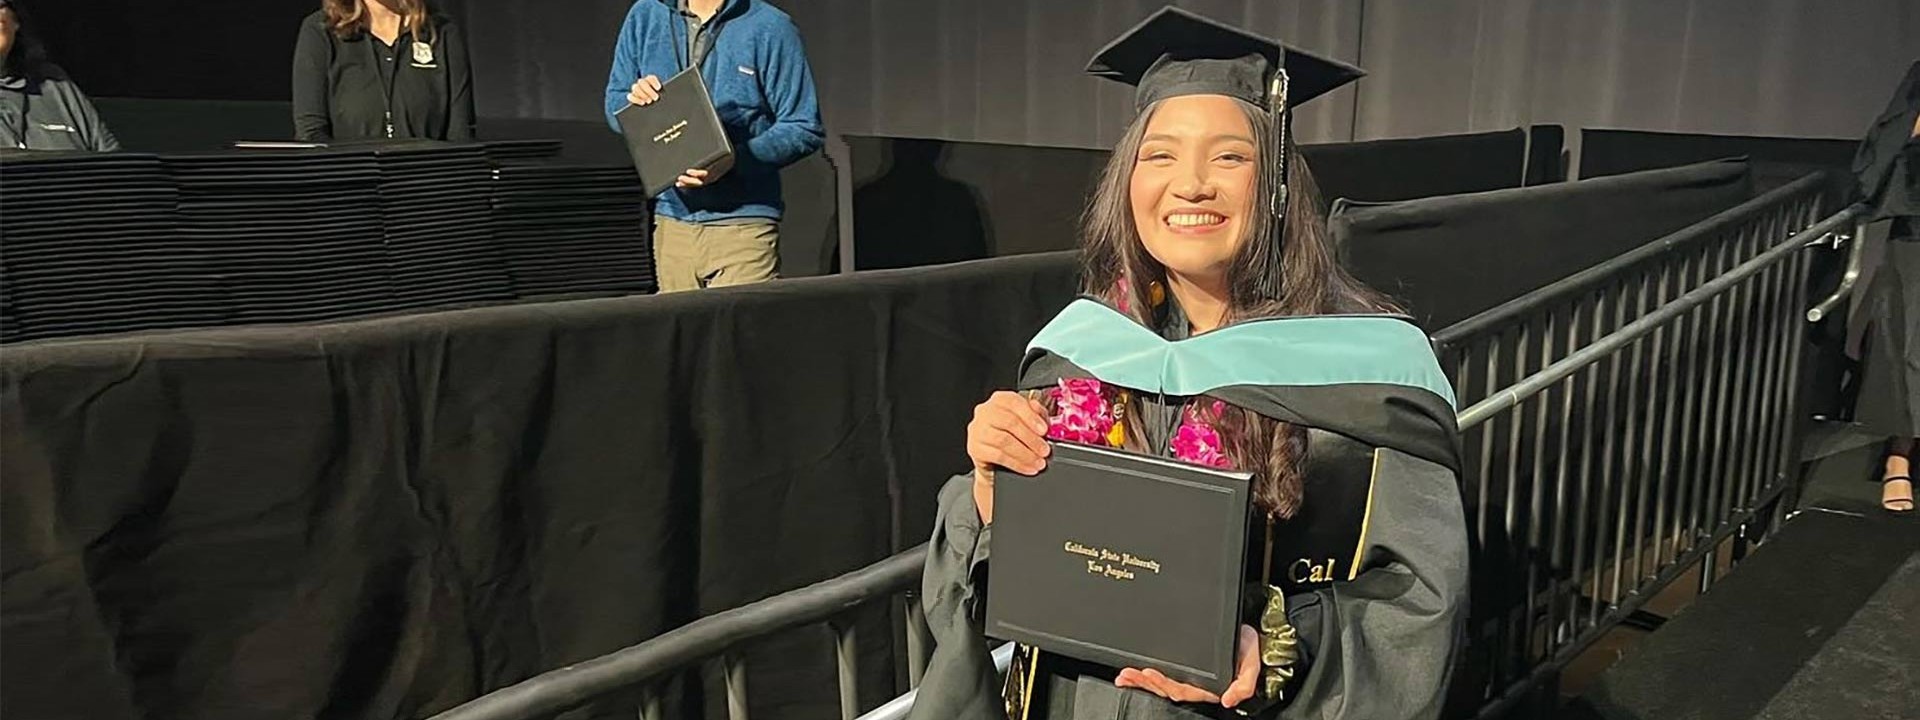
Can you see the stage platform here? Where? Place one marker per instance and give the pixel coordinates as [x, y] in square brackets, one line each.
[1821, 621]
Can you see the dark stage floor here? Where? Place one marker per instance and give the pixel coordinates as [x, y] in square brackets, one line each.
[1822, 621]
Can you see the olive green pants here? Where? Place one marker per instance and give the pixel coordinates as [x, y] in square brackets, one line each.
[690, 256]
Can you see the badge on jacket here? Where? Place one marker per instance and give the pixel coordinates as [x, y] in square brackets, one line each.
[422, 53]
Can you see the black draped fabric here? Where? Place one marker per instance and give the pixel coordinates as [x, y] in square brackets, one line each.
[1433, 253]
[1776, 160]
[918, 202]
[382, 519]
[1411, 168]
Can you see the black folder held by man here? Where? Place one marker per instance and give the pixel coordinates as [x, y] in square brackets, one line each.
[676, 133]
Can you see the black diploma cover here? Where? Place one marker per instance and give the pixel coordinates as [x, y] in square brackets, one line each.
[1123, 560]
[679, 132]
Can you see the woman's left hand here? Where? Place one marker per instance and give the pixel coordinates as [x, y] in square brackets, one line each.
[1245, 679]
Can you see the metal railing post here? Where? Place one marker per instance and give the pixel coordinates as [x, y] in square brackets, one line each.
[735, 668]
[845, 651]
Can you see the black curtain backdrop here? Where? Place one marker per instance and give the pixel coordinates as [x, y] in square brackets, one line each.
[1776, 160]
[1010, 70]
[920, 201]
[382, 519]
[1406, 169]
[204, 49]
[1448, 258]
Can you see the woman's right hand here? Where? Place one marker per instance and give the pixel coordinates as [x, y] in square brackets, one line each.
[1009, 430]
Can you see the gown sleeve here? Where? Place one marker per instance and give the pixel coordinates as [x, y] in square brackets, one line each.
[961, 682]
[1383, 646]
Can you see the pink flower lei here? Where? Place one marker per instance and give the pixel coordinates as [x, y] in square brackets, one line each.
[1087, 411]
[1197, 441]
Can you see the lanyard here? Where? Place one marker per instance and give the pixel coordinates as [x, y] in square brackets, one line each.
[389, 75]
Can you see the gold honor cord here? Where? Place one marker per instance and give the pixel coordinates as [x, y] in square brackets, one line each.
[1279, 642]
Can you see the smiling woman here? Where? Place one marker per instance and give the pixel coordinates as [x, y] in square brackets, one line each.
[1204, 240]
[1192, 189]
[1192, 165]
[1186, 188]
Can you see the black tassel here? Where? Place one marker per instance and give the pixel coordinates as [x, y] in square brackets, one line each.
[1270, 289]
[1277, 105]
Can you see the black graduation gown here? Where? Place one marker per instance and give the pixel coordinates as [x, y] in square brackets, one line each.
[1381, 646]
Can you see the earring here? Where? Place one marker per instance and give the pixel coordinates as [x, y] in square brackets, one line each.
[1156, 293]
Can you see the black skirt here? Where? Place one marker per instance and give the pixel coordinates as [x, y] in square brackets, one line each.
[1889, 400]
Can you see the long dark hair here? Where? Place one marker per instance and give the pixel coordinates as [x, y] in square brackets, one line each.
[1295, 272]
[348, 18]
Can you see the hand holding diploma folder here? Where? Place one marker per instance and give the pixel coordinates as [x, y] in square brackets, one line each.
[1128, 561]
[676, 139]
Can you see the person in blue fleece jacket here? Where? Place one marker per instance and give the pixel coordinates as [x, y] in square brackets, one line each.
[713, 231]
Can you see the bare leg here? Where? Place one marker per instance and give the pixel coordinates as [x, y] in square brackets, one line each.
[1896, 490]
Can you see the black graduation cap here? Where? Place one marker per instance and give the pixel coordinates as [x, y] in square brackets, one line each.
[1175, 52]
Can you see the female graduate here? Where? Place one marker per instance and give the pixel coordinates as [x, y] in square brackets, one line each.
[1219, 329]
[380, 70]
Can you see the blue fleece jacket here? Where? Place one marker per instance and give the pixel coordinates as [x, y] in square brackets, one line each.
[761, 85]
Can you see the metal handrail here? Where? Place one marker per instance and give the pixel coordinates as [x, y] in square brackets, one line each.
[1532, 385]
[1597, 275]
[1719, 489]
[1847, 279]
[573, 685]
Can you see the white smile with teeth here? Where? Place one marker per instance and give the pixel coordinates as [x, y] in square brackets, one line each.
[1194, 219]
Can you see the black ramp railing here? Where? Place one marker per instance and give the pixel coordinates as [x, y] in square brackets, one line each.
[1623, 424]
[1558, 490]
[1630, 459]
[718, 635]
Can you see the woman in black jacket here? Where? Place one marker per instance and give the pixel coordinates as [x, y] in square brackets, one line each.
[381, 69]
[1888, 167]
